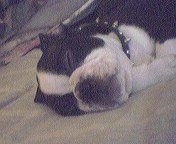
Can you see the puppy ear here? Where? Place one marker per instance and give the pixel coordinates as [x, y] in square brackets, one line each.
[69, 61]
[44, 41]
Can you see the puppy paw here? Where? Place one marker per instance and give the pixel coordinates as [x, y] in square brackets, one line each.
[165, 49]
[163, 69]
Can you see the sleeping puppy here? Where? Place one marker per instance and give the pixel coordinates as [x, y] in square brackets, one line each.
[86, 69]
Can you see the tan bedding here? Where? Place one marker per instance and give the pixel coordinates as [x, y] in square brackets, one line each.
[148, 117]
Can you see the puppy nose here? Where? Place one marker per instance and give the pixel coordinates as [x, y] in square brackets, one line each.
[95, 91]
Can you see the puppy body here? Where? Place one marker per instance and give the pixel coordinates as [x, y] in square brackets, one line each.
[91, 66]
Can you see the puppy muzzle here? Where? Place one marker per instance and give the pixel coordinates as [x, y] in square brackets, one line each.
[100, 89]
[96, 91]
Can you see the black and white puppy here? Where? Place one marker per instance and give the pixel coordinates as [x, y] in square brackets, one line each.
[86, 70]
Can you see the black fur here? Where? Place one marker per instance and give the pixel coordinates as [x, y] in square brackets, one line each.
[12, 2]
[156, 17]
[63, 54]
[2, 11]
[64, 105]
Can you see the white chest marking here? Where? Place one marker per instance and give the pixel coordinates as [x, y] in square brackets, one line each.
[53, 83]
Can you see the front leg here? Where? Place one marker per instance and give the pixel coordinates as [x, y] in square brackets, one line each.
[159, 70]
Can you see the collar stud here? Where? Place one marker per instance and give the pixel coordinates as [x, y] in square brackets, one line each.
[115, 24]
[127, 40]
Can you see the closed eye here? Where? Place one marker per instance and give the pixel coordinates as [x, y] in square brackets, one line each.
[69, 62]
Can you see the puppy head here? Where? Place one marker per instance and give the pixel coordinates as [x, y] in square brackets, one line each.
[62, 54]
[93, 68]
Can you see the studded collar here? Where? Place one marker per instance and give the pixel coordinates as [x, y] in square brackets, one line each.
[124, 41]
[113, 28]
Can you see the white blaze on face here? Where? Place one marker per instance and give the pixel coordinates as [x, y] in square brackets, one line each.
[53, 83]
[100, 63]
[103, 62]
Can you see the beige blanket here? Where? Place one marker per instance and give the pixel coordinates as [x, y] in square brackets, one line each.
[148, 117]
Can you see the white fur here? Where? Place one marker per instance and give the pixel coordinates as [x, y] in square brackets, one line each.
[142, 47]
[148, 69]
[123, 64]
[166, 48]
[93, 64]
[53, 83]
[160, 70]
